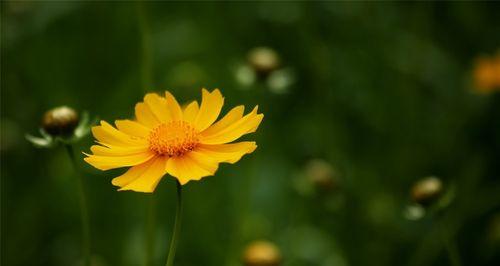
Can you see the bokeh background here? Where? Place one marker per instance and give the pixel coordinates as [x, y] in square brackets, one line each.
[361, 100]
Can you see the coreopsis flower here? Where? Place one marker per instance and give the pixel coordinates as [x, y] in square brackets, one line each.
[186, 143]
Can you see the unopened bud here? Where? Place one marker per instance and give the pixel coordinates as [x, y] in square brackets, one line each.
[321, 174]
[264, 60]
[486, 74]
[60, 121]
[427, 190]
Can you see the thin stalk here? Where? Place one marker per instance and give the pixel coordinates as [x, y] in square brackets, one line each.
[146, 68]
[453, 254]
[150, 230]
[450, 246]
[146, 71]
[83, 208]
[177, 227]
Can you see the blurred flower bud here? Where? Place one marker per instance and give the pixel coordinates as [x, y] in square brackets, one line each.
[60, 121]
[264, 60]
[486, 74]
[61, 124]
[262, 253]
[321, 174]
[427, 190]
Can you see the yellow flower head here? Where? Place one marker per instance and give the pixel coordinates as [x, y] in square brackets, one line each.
[164, 138]
[486, 74]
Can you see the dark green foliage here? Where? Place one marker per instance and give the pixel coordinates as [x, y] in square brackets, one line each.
[381, 91]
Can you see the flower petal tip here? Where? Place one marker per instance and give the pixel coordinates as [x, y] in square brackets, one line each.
[135, 190]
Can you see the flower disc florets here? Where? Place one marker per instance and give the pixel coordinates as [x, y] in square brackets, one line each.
[173, 139]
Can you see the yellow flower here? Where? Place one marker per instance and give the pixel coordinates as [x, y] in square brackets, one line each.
[262, 253]
[486, 74]
[164, 138]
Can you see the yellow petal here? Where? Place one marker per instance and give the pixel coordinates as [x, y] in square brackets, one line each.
[228, 153]
[173, 107]
[211, 105]
[149, 178]
[234, 115]
[132, 128]
[158, 106]
[110, 162]
[107, 134]
[247, 124]
[191, 112]
[145, 116]
[190, 167]
[203, 161]
[116, 150]
[132, 174]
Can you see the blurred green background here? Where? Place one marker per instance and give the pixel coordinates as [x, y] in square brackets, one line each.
[379, 92]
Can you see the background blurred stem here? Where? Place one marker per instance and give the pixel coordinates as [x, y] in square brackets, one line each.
[150, 230]
[177, 227]
[453, 254]
[146, 82]
[145, 53]
[83, 208]
[450, 246]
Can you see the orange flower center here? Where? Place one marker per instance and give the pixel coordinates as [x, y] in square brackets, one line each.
[173, 139]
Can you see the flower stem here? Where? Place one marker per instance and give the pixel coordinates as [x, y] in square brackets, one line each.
[177, 227]
[150, 229]
[145, 48]
[450, 246]
[83, 208]
[146, 72]
[453, 255]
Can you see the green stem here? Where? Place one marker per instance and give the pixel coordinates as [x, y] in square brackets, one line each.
[453, 255]
[177, 227]
[145, 46]
[83, 208]
[450, 246]
[150, 230]
[146, 72]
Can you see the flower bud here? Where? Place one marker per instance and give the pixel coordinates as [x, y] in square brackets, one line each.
[264, 60]
[321, 174]
[262, 253]
[486, 74]
[60, 121]
[427, 190]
